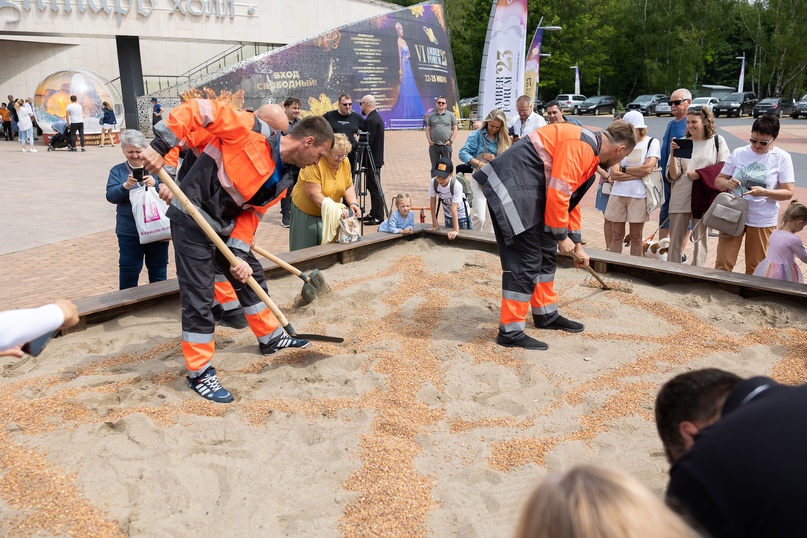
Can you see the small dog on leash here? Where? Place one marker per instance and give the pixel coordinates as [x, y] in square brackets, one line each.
[656, 249]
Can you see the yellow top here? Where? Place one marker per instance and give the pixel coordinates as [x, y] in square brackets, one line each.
[333, 185]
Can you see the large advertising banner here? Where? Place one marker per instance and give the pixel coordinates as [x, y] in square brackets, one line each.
[403, 58]
[533, 65]
[502, 78]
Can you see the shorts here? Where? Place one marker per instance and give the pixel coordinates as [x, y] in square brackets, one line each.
[624, 209]
[109, 126]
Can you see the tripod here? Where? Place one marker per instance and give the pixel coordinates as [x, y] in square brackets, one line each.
[360, 174]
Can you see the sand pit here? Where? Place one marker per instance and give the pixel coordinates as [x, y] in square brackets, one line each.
[418, 425]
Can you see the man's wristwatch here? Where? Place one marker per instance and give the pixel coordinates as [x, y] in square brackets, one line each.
[623, 169]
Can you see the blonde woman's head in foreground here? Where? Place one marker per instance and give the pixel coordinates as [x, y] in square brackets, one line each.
[590, 501]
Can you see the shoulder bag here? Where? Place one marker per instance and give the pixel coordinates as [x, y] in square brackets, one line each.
[654, 184]
[726, 215]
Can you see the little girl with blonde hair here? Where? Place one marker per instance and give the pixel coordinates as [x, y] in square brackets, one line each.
[402, 220]
[784, 245]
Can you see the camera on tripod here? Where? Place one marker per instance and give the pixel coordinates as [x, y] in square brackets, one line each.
[364, 138]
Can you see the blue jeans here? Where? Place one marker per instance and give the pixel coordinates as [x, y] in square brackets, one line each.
[464, 224]
[131, 258]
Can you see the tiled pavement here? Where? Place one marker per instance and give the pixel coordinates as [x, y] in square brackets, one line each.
[59, 238]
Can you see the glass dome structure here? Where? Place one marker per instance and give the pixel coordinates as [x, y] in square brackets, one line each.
[53, 95]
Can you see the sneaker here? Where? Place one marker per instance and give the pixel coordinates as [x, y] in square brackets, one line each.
[82, 149]
[564, 324]
[33, 150]
[526, 342]
[101, 146]
[24, 150]
[209, 388]
[285, 224]
[283, 342]
[683, 258]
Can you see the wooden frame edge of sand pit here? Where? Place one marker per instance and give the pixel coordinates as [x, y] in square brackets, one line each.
[100, 308]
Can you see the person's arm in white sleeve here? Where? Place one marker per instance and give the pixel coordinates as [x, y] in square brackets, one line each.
[18, 327]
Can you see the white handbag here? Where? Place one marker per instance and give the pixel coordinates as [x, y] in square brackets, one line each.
[149, 215]
[654, 184]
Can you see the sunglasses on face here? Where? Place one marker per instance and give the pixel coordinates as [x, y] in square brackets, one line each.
[441, 102]
[762, 143]
[346, 104]
[697, 109]
[676, 102]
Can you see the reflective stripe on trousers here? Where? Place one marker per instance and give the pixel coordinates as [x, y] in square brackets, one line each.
[197, 260]
[528, 278]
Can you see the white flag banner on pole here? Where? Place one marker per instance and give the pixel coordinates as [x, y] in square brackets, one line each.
[502, 77]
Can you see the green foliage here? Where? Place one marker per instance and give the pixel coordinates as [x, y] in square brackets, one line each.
[628, 47]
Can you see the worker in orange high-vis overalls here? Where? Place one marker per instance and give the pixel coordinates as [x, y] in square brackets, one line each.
[533, 190]
[227, 311]
[243, 170]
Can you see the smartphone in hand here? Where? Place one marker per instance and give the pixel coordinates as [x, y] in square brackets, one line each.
[684, 150]
[35, 346]
[137, 174]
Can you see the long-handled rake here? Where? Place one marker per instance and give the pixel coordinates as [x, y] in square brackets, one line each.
[214, 237]
[314, 282]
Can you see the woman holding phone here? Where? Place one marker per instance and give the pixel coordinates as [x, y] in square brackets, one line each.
[122, 177]
[705, 148]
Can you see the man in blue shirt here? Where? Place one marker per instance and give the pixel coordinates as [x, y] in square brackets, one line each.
[679, 102]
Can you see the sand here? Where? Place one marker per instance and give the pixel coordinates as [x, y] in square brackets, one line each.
[418, 425]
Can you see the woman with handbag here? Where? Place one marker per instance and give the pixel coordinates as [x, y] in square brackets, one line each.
[108, 122]
[481, 147]
[708, 148]
[122, 178]
[318, 188]
[767, 173]
[628, 200]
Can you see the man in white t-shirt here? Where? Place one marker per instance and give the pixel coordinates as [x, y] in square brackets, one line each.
[526, 121]
[766, 173]
[75, 120]
[452, 196]
[627, 203]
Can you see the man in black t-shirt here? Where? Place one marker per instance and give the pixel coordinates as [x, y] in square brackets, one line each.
[344, 120]
[741, 472]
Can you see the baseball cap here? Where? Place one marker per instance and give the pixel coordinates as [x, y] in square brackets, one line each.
[635, 118]
[444, 167]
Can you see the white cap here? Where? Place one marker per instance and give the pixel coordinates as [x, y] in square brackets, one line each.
[635, 118]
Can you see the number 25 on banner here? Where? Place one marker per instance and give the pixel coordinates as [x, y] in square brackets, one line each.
[505, 62]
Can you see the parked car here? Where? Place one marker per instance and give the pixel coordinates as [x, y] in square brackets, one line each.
[663, 109]
[570, 102]
[707, 102]
[778, 106]
[801, 108]
[735, 104]
[599, 104]
[468, 100]
[538, 107]
[646, 104]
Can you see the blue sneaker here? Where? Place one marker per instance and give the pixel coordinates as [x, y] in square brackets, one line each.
[208, 387]
[281, 343]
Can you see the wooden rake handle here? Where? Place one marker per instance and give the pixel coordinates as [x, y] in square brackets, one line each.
[280, 263]
[213, 236]
[591, 271]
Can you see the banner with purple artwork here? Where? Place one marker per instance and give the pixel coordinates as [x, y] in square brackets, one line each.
[403, 58]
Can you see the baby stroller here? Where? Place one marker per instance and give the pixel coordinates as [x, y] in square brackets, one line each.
[57, 141]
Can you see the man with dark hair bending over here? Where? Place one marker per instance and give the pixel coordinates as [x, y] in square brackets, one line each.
[535, 216]
[241, 172]
[737, 449]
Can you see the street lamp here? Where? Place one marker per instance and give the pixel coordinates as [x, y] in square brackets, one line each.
[533, 68]
[576, 79]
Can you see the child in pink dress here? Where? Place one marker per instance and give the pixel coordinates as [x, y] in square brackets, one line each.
[784, 246]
